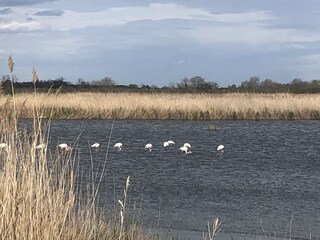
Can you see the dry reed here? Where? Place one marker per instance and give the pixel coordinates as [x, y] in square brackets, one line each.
[170, 106]
[38, 197]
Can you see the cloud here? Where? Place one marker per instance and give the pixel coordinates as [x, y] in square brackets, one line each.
[199, 25]
[56, 12]
[5, 11]
[247, 34]
[19, 26]
[22, 2]
[123, 15]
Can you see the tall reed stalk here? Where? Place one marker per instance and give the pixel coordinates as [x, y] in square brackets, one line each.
[38, 197]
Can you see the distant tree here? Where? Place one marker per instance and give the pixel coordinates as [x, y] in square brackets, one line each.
[269, 86]
[106, 81]
[184, 83]
[232, 88]
[211, 85]
[251, 85]
[314, 86]
[82, 82]
[133, 86]
[298, 86]
[296, 81]
[197, 82]
[6, 77]
[144, 86]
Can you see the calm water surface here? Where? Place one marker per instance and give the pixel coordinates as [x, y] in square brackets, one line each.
[268, 176]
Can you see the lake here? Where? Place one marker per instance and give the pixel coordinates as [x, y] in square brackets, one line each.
[267, 181]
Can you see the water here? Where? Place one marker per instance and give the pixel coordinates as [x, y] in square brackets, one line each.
[266, 182]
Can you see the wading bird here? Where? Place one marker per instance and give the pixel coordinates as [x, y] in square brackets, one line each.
[166, 144]
[118, 146]
[220, 149]
[95, 145]
[148, 147]
[187, 145]
[64, 146]
[3, 145]
[41, 146]
[185, 150]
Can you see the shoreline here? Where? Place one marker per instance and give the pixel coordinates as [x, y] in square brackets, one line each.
[198, 235]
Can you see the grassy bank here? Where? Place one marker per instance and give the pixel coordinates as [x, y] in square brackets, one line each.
[166, 106]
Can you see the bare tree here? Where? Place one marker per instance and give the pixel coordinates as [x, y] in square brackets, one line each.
[106, 81]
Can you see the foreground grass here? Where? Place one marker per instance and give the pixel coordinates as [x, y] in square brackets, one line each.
[167, 106]
[38, 197]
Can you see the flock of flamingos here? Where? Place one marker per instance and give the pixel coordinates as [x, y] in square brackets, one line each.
[185, 149]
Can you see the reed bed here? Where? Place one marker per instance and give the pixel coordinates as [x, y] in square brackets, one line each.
[165, 106]
[38, 197]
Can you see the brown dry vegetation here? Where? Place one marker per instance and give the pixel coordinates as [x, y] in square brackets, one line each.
[38, 194]
[167, 106]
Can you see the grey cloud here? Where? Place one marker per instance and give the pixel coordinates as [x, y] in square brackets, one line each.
[5, 11]
[56, 12]
[22, 2]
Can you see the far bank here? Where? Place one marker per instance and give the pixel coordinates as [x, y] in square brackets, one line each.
[165, 106]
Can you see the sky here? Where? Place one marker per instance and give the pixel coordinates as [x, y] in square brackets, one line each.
[161, 42]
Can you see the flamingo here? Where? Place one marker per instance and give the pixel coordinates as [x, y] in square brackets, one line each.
[148, 147]
[118, 146]
[185, 150]
[3, 145]
[40, 146]
[95, 145]
[166, 144]
[220, 149]
[64, 146]
[187, 145]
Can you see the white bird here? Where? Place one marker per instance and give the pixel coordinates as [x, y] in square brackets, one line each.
[220, 149]
[148, 147]
[3, 145]
[118, 146]
[95, 145]
[171, 142]
[166, 144]
[187, 145]
[185, 150]
[64, 146]
[41, 146]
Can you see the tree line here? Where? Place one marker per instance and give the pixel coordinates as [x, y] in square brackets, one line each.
[186, 85]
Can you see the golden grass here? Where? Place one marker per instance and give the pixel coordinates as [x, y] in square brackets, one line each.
[38, 194]
[169, 106]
